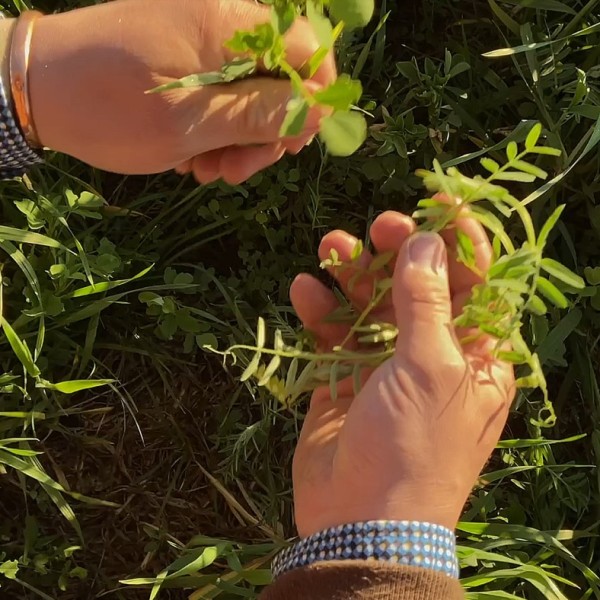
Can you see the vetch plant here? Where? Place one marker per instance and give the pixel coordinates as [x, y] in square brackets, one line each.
[344, 130]
[520, 281]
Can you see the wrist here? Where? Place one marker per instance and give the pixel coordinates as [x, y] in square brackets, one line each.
[6, 30]
[435, 505]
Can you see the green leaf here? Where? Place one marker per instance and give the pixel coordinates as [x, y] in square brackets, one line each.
[512, 150]
[207, 340]
[27, 237]
[490, 165]
[321, 25]
[295, 118]
[514, 358]
[530, 169]
[28, 468]
[552, 293]
[251, 369]
[357, 251]
[77, 385]
[104, 286]
[270, 371]
[508, 21]
[343, 133]
[592, 274]
[261, 333]
[282, 18]
[239, 68]
[515, 176]
[186, 322]
[537, 306]
[9, 569]
[465, 248]
[354, 13]
[206, 558]
[342, 94]
[316, 60]
[562, 273]
[545, 150]
[549, 226]
[20, 348]
[260, 577]
[533, 137]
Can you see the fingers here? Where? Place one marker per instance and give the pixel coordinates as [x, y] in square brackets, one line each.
[313, 303]
[235, 164]
[358, 289]
[300, 41]
[296, 145]
[241, 113]
[184, 168]
[423, 304]
[388, 233]
[390, 230]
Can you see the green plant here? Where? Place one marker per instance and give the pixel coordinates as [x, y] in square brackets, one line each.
[201, 566]
[515, 284]
[343, 131]
[528, 531]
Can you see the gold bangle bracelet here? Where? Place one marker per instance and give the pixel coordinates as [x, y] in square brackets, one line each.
[19, 69]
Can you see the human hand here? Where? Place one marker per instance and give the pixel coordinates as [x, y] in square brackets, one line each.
[412, 443]
[90, 68]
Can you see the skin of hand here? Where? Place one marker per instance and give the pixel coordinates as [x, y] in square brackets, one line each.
[90, 68]
[412, 443]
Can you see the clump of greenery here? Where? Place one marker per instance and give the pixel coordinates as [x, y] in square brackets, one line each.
[518, 282]
[443, 80]
[343, 131]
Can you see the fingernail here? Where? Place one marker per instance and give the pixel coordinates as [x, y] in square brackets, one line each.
[427, 251]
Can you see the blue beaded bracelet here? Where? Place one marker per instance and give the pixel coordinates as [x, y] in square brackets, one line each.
[408, 543]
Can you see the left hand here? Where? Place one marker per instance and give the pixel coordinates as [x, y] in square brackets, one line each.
[90, 68]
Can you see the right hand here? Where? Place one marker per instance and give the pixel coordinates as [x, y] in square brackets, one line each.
[411, 444]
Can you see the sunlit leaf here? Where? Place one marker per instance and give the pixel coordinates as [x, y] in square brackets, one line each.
[27, 237]
[354, 13]
[533, 136]
[71, 387]
[239, 68]
[20, 348]
[490, 165]
[343, 132]
[562, 273]
[342, 94]
[295, 118]
[552, 293]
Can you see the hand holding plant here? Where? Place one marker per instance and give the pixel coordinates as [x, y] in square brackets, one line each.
[411, 443]
[91, 70]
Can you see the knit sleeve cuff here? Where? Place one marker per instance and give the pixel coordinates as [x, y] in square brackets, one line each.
[368, 580]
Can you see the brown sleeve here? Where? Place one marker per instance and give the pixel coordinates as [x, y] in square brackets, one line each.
[360, 580]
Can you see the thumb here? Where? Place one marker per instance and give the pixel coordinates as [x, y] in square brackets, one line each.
[422, 302]
[252, 111]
